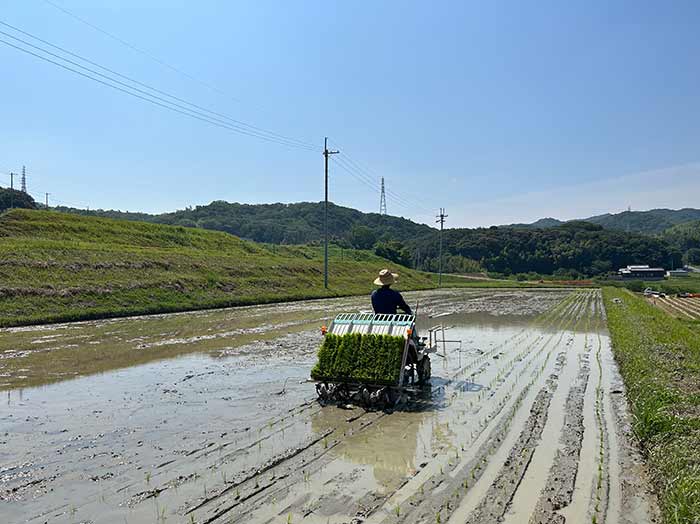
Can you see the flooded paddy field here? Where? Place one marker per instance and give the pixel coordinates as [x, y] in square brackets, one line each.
[207, 417]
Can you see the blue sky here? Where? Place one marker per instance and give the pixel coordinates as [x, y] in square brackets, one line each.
[497, 111]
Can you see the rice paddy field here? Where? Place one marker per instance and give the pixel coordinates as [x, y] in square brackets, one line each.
[686, 308]
[210, 417]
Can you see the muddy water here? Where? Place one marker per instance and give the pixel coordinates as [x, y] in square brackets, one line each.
[207, 416]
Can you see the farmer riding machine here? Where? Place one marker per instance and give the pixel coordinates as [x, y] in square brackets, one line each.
[372, 360]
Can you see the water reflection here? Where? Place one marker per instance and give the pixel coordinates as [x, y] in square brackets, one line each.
[392, 448]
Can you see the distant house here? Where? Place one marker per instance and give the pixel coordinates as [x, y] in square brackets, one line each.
[642, 273]
[676, 273]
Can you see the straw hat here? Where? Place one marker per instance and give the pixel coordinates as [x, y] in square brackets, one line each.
[386, 278]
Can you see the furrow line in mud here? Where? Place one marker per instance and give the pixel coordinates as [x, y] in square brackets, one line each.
[301, 465]
[601, 489]
[475, 496]
[228, 486]
[468, 472]
[499, 496]
[496, 500]
[558, 491]
[494, 505]
[289, 454]
[209, 449]
[571, 307]
[544, 320]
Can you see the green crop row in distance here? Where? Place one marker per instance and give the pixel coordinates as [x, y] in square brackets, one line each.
[356, 357]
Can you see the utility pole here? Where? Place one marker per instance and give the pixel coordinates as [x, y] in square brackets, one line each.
[441, 219]
[326, 154]
[24, 179]
[12, 190]
[47, 200]
[382, 200]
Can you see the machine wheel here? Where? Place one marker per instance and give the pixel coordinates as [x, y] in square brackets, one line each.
[365, 397]
[391, 398]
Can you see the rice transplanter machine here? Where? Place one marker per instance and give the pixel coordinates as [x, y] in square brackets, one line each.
[414, 374]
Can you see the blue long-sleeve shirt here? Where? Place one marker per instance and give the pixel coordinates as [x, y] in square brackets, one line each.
[385, 301]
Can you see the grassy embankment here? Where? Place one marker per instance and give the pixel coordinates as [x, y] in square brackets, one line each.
[659, 359]
[61, 267]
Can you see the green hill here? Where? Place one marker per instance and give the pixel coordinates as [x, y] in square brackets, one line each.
[686, 238]
[572, 249]
[566, 248]
[651, 222]
[299, 223]
[57, 266]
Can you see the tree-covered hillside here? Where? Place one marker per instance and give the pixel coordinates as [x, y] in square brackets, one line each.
[299, 223]
[651, 222]
[685, 238]
[571, 249]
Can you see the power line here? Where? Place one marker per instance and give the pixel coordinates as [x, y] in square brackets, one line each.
[147, 54]
[147, 86]
[155, 100]
[372, 184]
[369, 183]
[382, 200]
[404, 201]
[235, 126]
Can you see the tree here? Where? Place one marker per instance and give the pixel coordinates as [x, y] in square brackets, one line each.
[362, 237]
[395, 251]
[692, 256]
[13, 198]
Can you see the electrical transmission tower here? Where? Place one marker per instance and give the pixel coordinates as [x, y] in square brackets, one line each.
[24, 179]
[382, 200]
[441, 220]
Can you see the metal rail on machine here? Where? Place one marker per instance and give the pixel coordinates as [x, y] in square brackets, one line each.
[367, 322]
